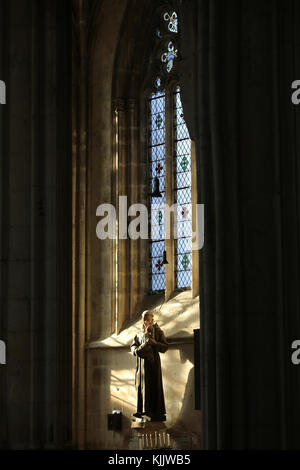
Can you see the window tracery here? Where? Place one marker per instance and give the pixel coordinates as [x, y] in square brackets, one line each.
[166, 119]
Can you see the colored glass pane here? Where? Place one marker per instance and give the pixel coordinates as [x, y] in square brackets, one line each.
[183, 197]
[156, 152]
[172, 20]
[169, 56]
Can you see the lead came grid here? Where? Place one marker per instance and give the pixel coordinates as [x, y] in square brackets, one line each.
[156, 151]
[183, 197]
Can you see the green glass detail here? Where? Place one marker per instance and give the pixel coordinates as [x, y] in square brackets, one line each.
[185, 262]
[159, 217]
[184, 163]
[158, 121]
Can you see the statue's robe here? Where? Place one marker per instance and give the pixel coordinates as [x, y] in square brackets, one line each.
[148, 377]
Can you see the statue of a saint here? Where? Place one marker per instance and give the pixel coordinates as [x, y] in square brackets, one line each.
[146, 346]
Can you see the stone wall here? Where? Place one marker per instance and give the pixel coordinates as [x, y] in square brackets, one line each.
[111, 375]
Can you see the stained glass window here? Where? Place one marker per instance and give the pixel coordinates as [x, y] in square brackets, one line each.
[180, 147]
[183, 196]
[171, 19]
[156, 151]
[169, 56]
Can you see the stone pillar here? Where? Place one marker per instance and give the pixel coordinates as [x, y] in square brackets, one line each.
[4, 217]
[195, 253]
[35, 148]
[123, 243]
[79, 230]
[133, 199]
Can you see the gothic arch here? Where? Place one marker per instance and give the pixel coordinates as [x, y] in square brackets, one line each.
[110, 72]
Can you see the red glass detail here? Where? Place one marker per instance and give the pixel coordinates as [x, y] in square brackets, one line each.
[159, 265]
[159, 168]
[184, 212]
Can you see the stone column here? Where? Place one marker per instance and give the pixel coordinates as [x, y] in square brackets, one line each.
[34, 226]
[79, 236]
[4, 217]
[123, 244]
[195, 253]
[133, 199]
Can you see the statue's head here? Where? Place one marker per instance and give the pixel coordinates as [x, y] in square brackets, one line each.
[147, 317]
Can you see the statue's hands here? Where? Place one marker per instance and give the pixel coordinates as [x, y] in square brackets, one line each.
[152, 341]
[150, 329]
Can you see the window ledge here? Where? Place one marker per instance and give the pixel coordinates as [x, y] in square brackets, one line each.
[177, 317]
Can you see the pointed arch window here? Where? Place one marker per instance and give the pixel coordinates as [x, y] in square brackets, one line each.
[169, 167]
[154, 164]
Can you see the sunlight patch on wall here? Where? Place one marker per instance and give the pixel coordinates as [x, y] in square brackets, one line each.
[122, 390]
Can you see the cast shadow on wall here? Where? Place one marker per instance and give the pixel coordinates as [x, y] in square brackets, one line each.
[113, 388]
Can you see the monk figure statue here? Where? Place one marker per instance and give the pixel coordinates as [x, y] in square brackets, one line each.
[146, 346]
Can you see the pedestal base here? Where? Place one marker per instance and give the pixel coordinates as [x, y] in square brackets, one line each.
[157, 435]
[149, 434]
